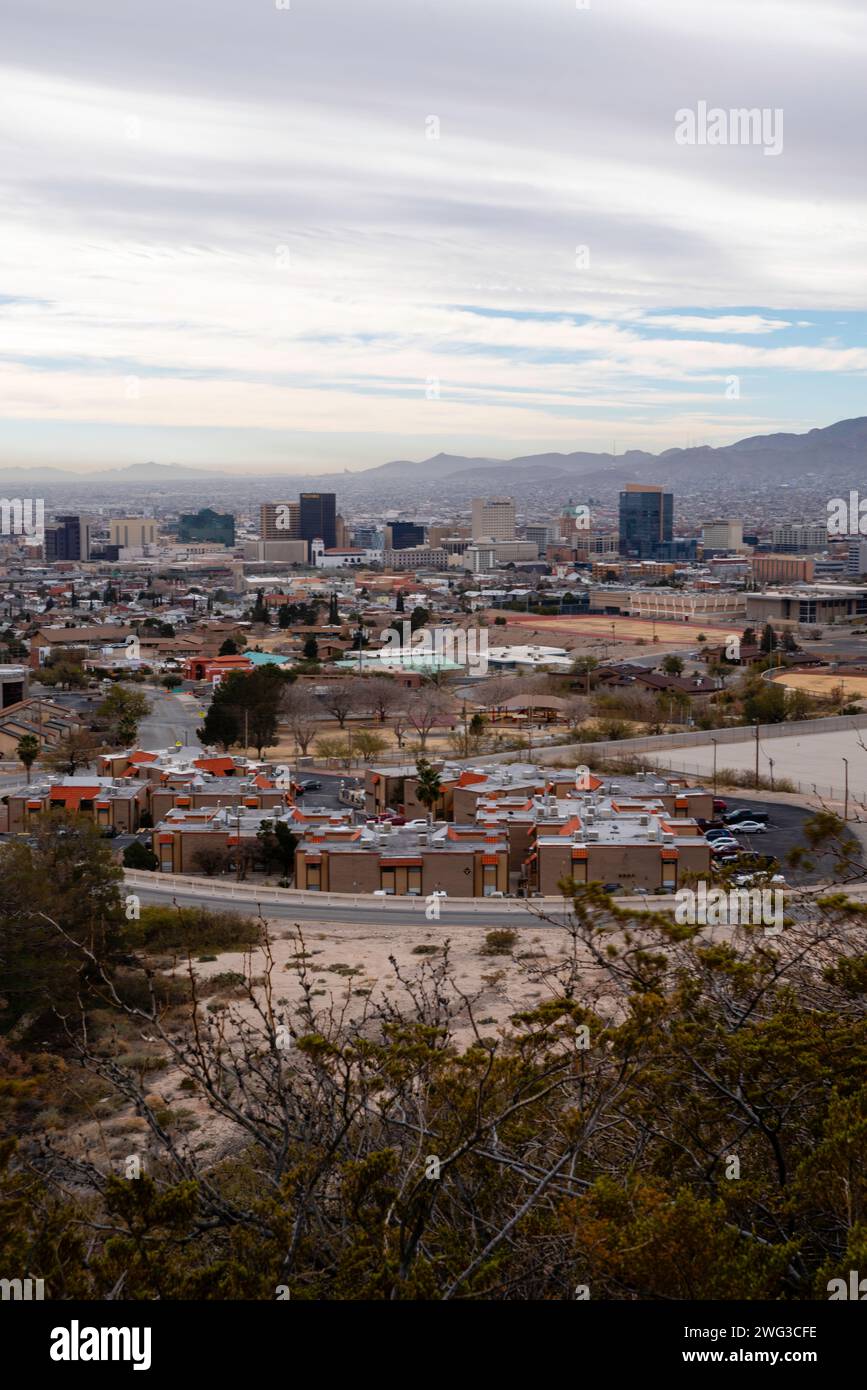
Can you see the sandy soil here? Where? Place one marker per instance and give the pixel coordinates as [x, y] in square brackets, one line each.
[625, 630]
[499, 984]
[819, 683]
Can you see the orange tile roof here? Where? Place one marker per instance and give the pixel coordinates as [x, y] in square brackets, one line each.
[469, 779]
[72, 796]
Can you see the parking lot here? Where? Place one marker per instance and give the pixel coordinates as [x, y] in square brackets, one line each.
[327, 798]
[785, 833]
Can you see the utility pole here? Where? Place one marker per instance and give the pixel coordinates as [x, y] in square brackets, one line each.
[757, 757]
[846, 789]
[713, 741]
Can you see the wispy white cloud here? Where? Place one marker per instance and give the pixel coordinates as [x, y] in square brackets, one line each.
[240, 208]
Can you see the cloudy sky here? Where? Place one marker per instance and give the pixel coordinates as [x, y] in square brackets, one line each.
[347, 231]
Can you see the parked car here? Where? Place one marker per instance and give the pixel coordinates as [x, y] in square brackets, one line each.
[719, 804]
[718, 835]
[705, 825]
[751, 859]
[747, 813]
[308, 784]
[751, 827]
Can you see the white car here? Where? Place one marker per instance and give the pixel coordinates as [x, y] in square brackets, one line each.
[752, 827]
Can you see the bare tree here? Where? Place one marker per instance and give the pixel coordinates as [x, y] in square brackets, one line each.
[383, 696]
[341, 698]
[301, 712]
[427, 709]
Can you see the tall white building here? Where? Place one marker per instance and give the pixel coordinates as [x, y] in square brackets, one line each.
[493, 519]
[723, 535]
[797, 535]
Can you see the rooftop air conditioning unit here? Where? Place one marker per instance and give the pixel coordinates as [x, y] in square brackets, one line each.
[592, 835]
[614, 788]
[641, 776]
[667, 837]
[644, 820]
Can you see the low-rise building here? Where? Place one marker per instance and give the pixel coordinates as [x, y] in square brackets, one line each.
[463, 861]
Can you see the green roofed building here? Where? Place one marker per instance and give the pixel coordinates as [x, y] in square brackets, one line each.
[215, 528]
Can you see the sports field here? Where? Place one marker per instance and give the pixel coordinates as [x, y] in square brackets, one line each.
[619, 629]
[823, 682]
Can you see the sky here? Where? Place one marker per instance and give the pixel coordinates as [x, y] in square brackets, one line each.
[327, 235]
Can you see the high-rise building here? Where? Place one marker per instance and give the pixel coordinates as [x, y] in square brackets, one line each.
[216, 528]
[280, 521]
[132, 531]
[797, 535]
[646, 520]
[541, 534]
[68, 538]
[317, 517]
[723, 535]
[400, 535]
[493, 519]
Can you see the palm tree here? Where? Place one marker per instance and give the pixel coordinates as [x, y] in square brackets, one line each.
[28, 752]
[428, 787]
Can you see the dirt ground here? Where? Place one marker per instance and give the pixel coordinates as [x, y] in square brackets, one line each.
[610, 631]
[819, 683]
[347, 963]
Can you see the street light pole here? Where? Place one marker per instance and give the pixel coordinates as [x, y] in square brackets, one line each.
[713, 741]
[846, 789]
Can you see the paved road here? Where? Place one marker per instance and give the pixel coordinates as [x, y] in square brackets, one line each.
[355, 912]
[173, 718]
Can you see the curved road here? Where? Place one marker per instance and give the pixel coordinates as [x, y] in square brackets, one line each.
[357, 911]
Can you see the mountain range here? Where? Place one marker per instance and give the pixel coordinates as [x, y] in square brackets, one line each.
[835, 451]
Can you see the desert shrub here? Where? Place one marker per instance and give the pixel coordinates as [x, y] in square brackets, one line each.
[499, 942]
[193, 929]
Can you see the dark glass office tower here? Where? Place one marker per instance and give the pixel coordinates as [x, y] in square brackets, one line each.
[317, 517]
[406, 534]
[67, 539]
[646, 521]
